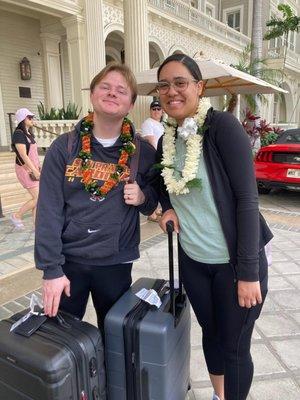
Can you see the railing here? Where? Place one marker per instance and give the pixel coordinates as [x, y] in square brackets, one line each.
[46, 131]
[180, 10]
[285, 125]
[292, 58]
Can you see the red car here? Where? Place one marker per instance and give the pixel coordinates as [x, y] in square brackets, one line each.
[278, 165]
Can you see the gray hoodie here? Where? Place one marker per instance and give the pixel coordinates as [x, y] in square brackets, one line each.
[70, 226]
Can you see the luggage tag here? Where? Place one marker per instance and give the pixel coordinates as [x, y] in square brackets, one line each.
[149, 296]
[31, 321]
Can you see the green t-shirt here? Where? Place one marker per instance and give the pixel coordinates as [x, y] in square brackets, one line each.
[201, 235]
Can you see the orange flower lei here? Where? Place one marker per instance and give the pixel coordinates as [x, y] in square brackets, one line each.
[128, 149]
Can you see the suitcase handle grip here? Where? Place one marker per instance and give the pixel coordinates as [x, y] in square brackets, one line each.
[59, 319]
[170, 226]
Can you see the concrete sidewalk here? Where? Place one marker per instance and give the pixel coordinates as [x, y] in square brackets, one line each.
[276, 339]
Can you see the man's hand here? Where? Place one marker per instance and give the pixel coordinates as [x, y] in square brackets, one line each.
[249, 294]
[169, 215]
[133, 195]
[52, 290]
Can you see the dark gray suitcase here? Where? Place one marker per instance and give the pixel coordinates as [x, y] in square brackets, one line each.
[60, 361]
[147, 350]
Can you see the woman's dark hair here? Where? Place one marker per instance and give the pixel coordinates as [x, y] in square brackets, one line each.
[22, 126]
[187, 61]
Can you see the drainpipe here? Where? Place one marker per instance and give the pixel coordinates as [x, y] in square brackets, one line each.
[1, 213]
[11, 127]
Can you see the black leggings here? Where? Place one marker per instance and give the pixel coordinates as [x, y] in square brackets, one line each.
[105, 283]
[227, 328]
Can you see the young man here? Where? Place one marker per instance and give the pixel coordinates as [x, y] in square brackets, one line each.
[87, 229]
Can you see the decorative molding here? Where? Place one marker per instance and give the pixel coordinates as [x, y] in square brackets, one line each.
[113, 27]
[112, 14]
[56, 8]
[190, 43]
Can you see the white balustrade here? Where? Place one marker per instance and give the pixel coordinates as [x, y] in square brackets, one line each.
[181, 10]
[46, 131]
[292, 58]
[285, 126]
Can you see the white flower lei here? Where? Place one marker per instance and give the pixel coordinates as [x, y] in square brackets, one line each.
[191, 132]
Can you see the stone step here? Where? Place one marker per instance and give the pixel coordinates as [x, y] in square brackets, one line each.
[13, 195]
[13, 188]
[7, 166]
[6, 154]
[10, 186]
[8, 177]
[17, 197]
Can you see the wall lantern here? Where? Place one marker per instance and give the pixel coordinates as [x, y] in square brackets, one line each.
[25, 69]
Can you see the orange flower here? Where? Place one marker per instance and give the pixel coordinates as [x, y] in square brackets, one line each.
[87, 176]
[123, 158]
[89, 117]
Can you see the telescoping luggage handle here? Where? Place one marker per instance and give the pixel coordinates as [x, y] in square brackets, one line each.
[170, 230]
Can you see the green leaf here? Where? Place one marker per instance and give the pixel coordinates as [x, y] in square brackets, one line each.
[194, 183]
[158, 166]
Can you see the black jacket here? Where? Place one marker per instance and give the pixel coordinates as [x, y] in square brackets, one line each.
[70, 226]
[229, 161]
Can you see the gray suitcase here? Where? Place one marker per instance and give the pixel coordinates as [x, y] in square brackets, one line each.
[147, 350]
[62, 360]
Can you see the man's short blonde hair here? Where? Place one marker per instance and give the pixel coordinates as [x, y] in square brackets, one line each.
[124, 70]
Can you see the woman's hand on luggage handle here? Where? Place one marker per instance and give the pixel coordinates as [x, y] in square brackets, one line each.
[52, 290]
[249, 294]
[169, 215]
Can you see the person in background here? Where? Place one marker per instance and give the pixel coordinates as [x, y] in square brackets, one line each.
[88, 228]
[27, 165]
[209, 192]
[151, 130]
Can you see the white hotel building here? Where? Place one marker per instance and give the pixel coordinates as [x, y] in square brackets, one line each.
[68, 41]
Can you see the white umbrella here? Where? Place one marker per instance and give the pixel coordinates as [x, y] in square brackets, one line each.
[219, 79]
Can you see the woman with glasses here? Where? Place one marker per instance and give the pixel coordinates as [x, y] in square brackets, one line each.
[209, 191]
[27, 164]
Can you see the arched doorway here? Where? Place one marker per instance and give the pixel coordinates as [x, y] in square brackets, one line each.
[156, 55]
[279, 109]
[114, 47]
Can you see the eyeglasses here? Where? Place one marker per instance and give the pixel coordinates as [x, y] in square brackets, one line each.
[179, 84]
[30, 117]
[105, 87]
[156, 109]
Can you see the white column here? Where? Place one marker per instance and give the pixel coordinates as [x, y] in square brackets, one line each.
[77, 45]
[3, 132]
[95, 36]
[54, 95]
[137, 48]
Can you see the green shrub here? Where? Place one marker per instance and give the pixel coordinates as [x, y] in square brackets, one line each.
[71, 112]
[268, 138]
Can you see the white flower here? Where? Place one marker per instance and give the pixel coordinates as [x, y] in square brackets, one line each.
[189, 127]
[194, 144]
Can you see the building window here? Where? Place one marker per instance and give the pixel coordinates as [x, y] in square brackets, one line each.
[233, 19]
[195, 4]
[275, 109]
[209, 10]
[291, 40]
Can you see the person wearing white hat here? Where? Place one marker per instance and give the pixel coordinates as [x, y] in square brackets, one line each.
[27, 165]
